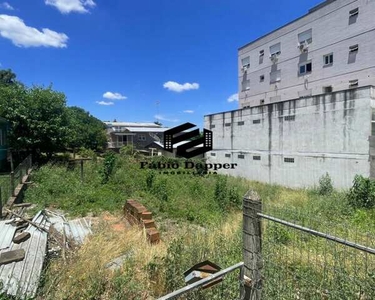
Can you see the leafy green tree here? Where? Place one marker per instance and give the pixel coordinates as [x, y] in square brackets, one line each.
[7, 77]
[85, 131]
[37, 116]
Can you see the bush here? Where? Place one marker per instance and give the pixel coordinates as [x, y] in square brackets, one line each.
[362, 193]
[108, 166]
[325, 185]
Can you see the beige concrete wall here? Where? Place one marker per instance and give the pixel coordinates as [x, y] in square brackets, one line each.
[321, 133]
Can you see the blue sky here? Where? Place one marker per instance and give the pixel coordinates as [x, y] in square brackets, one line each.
[132, 54]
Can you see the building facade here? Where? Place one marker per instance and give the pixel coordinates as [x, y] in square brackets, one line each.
[306, 101]
[138, 135]
[329, 49]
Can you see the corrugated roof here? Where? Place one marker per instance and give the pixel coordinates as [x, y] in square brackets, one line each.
[132, 124]
[146, 129]
[76, 230]
[21, 279]
[7, 232]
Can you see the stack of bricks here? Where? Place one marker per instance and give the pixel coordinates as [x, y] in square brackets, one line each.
[137, 214]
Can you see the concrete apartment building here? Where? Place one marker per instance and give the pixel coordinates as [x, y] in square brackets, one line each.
[306, 100]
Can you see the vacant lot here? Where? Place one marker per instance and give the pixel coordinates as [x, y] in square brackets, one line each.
[200, 218]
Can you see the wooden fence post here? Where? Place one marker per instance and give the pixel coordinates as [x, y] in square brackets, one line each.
[252, 248]
[12, 187]
[1, 204]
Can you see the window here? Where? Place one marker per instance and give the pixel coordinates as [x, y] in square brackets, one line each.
[327, 89]
[354, 12]
[256, 157]
[212, 126]
[305, 37]
[227, 155]
[241, 156]
[354, 48]
[290, 118]
[289, 160]
[353, 16]
[213, 154]
[240, 123]
[261, 56]
[275, 49]
[246, 62]
[141, 137]
[246, 85]
[305, 68]
[353, 83]
[261, 78]
[256, 121]
[227, 124]
[275, 76]
[328, 59]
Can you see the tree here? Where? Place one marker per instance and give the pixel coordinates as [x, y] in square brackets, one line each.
[37, 117]
[85, 130]
[7, 77]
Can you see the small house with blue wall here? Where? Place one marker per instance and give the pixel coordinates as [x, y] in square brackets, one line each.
[4, 125]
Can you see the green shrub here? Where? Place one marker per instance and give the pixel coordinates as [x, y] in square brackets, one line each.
[362, 193]
[325, 185]
[108, 166]
[221, 192]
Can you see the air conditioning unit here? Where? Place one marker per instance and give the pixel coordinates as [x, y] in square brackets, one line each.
[244, 68]
[274, 58]
[303, 47]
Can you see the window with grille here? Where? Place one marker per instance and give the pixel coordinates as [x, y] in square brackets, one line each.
[256, 121]
[290, 118]
[227, 155]
[240, 123]
[257, 157]
[289, 160]
[241, 156]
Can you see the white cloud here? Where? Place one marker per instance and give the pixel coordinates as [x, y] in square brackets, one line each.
[105, 103]
[114, 96]
[6, 5]
[162, 118]
[14, 29]
[177, 87]
[188, 111]
[233, 98]
[68, 6]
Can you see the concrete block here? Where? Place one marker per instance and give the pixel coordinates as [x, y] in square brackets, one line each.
[24, 236]
[12, 256]
[146, 215]
[153, 235]
[149, 224]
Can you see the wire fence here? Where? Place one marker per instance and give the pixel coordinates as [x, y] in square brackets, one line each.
[9, 181]
[307, 257]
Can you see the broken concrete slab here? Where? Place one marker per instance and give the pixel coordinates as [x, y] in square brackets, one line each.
[12, 256]
[24, 236]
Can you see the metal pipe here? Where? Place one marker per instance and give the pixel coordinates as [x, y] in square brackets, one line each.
[199, 283]
[320, 234]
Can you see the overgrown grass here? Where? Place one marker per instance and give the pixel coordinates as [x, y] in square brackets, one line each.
[208, 209]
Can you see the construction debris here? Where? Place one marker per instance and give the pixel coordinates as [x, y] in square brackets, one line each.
[12, 256]
[24, 236]
[76, 230]
[22, 255]
[137, 214]
[21, 279]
